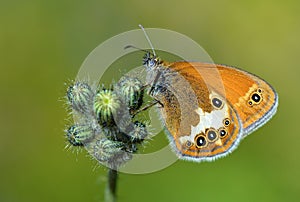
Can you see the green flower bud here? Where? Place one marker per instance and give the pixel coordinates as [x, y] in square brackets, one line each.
[77, 135]
[110, 153]
[132, 90]
[80, 97]
[137, 132]
[106, 106]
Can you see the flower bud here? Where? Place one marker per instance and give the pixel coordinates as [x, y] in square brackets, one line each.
[106, 106]
[138, 132]
[80, 96]
[132, 90]
[110, 153]
[77, 135]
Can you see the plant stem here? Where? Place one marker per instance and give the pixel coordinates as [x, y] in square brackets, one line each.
[111, 188]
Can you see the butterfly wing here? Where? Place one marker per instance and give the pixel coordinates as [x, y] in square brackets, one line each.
[254, 100]
[257, 100]
[208, 108]
[202, 124]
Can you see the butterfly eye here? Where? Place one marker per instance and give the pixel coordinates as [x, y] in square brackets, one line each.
[200, 141]
[217, 103]
[211, 135]
[151, 63]
[226, 122]
[223, 132]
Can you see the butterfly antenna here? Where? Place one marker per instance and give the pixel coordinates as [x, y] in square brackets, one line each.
[148, 39]
[132, 46]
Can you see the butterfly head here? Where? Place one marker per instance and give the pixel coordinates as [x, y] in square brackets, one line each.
[151, 61]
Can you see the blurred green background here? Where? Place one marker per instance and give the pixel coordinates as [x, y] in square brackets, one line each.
[42, 46]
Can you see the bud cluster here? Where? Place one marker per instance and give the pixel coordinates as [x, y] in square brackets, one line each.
[104, 123]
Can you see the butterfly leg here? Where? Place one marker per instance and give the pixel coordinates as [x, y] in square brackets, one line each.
[149, 105]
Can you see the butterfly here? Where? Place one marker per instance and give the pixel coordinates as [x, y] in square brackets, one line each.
[207, 109]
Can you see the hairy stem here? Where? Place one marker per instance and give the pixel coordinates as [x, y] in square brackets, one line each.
[111, 188]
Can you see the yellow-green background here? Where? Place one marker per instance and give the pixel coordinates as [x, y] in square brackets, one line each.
[43, 44]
